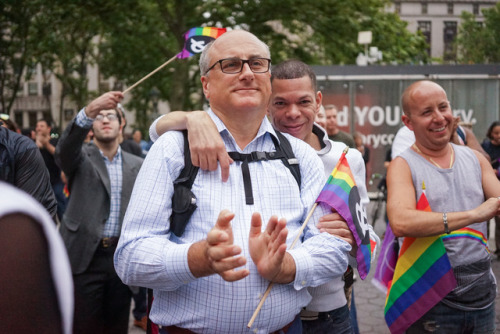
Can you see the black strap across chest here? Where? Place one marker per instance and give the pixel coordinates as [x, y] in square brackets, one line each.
[283, 152]
[184, 201]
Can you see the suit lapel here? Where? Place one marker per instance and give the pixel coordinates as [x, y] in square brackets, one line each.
[129, 172]
[100, 166]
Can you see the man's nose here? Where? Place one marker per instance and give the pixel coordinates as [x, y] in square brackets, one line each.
[246, 70]
[438, 115]
[293, 110]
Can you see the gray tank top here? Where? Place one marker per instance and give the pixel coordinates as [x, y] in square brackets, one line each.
[459, 189]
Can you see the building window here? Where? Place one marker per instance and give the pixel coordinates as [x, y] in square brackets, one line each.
[46, 89]
[424, 7]
[68, 114]
[30, 72]
[32, 88]
[18, 118]
[450, 8]
[425, 28]
[32, 119]
[449, 34]
[397, 7]
[475, 9]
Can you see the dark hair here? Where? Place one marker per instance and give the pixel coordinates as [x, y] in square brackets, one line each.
[293, 69]
[46, 122]
[490, 129]
[26, 131]
[11, 125]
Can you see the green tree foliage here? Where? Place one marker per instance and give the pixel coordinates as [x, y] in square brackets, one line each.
[317, 32]
[16, 46]
[479, 43]
[130, 38]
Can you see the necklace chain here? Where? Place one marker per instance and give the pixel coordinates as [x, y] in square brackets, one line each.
[431, 160]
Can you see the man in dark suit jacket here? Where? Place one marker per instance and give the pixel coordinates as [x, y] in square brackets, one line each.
[100, 179]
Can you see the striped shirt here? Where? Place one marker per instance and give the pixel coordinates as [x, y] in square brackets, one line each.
[149, 255]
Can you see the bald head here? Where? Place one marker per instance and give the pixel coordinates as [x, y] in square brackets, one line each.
[232, 36]
[408, 99]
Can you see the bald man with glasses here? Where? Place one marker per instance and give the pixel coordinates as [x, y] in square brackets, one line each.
[100, 179]
[211, 278]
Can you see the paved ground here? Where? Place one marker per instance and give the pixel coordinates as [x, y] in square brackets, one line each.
[370, 301]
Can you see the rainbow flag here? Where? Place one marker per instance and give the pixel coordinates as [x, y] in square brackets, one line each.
[341, 193]
[386, 264]
[467, 233]
[422, 278]
[197, 38]
[66, 191]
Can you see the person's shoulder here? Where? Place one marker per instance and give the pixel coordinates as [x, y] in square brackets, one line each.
[346, 134]
[299, 147]
[169, 145]
[19, 143]
[353, 155]
[170, 137]
[132, 158]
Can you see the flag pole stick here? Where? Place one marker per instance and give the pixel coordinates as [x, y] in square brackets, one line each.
[304, 224]
[150, 74]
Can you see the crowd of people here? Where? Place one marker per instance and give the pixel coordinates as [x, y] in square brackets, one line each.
[260, 156]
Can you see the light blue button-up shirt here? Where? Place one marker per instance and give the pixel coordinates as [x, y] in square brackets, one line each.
[149, 255]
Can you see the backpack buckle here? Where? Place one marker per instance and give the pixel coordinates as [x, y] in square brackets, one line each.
[257, 156]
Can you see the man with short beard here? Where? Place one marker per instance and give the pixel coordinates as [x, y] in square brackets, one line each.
[100, 180]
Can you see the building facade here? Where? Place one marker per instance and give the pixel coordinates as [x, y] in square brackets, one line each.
[439, 21]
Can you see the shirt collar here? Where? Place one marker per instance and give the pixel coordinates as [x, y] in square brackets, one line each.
[326, 144]
[116, 158]
[265, 126]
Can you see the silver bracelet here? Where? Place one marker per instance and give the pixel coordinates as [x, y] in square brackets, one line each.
[445, 222]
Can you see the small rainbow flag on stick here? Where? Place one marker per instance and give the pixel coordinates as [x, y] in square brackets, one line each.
[195, 41]
[423, 277]
[341, 193]
[197, 38]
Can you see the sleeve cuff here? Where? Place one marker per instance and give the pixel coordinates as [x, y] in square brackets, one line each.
[177, 262]
[303, 267]
[82, 120]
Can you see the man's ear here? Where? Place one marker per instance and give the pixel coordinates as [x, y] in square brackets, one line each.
[319, 99]
[206, 87]
[407, 121]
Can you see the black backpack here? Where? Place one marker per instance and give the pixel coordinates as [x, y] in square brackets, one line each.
[184, 201]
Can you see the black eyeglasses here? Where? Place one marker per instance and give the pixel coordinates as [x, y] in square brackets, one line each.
[235, 65]
[110, 117]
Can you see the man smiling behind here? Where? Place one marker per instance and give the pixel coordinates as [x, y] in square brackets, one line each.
[211, 278]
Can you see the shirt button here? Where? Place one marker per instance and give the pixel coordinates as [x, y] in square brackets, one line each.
[255, 330]
[303, 283]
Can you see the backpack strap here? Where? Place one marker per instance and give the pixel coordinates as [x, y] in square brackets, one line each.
[289, 159]
[283, 151]
[183, 199]
[189, 172]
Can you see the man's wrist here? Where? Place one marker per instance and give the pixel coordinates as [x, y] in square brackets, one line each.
[287, 272]
[198, 259]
